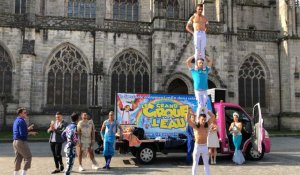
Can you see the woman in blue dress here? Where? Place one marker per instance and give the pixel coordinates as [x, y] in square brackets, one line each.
[235, 129]
[108, 132]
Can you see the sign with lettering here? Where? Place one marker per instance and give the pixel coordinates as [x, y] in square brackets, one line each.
[160, 115]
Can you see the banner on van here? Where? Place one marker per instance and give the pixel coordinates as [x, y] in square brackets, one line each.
[160, 115]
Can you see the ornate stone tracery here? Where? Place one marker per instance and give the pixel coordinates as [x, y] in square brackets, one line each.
[5, 72]
[130, 73]
[67, 78]
[252, 83]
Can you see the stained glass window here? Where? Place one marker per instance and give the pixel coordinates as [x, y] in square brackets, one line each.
[130, 73]
[252, 83]
[67, 78]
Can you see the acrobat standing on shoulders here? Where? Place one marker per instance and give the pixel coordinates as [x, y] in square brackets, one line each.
[200, 78]
[198, 26]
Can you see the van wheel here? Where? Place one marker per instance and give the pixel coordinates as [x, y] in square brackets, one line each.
[146, 154]
[253, 154]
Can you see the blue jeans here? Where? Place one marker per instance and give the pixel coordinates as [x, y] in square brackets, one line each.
[190, 148]
[70, 157]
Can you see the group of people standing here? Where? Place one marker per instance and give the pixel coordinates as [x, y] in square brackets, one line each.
[203, 128]
[79, 136]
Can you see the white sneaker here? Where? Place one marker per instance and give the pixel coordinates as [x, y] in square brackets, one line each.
[81, 168]
[95, 167]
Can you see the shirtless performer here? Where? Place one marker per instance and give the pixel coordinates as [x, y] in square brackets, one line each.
[200, 132]
[199, 23]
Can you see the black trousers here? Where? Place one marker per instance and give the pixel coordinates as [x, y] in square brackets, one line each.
[56, 151]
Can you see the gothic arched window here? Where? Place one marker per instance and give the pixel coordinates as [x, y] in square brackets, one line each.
[130, 73]
[81, 8]
[127, 10]
[252, 83]
[67, 78]
[172, 9]
[20, 6]
[5, 72]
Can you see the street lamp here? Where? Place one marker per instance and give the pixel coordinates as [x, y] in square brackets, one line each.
[96, 76]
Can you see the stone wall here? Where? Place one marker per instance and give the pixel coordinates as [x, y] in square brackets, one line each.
[108, 47]
[260, 17]
[160, 49]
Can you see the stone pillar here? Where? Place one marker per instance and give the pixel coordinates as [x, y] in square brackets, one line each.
[25, 80]
[218, 10]
[27, 57]
[101, 12]
[30, 11]
[157, 68]
[285, 72]
[292, 18]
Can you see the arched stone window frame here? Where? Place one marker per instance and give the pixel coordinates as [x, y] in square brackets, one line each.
[168, 8]
[47, 69]
[80, 8]
[267, 78]
[182, 76]
[6, 53]
[127, 10]
[111, 70]
[20, 6]
[172, 9]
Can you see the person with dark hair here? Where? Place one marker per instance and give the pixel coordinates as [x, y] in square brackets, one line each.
[200, 148]
[200, 78]
[70, 134]
[108, 132]
[20, 145]
[190, 141]
[56, 128]
[199, 23]
[86, 140]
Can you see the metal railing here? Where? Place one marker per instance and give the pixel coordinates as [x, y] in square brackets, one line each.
[12, 20]
[65, 23]
[179, 26]
[126, 26]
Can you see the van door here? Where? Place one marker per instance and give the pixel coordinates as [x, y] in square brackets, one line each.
[243, 118]
[257, 136]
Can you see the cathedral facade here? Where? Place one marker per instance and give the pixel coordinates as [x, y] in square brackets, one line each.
[64, 55]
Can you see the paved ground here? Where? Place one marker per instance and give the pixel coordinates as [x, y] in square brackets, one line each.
[283, 160]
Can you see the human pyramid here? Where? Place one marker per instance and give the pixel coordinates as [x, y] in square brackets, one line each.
[198, 26]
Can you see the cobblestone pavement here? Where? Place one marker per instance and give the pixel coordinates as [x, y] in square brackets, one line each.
[283, 160]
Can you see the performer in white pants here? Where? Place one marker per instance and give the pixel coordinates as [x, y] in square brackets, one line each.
[199, 23]
[200, 44]
[200, 77]
[200, 148]
[201, 97]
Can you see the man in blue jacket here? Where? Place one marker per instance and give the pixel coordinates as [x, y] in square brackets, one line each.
[20, 145]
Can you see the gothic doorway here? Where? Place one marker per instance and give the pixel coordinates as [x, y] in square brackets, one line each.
[211, 84]
[178, 86]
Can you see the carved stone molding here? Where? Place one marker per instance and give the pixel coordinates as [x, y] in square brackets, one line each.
[145, 28]
[257, 35]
